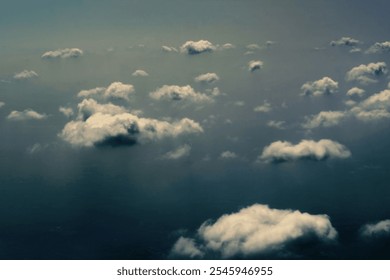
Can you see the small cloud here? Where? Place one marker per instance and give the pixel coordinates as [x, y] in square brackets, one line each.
[355, 91]
[207, 78]
[276, 124]
[383, 47]
[254, 65]
[282, 151]
[169, 49]
[63, 53]
[228, 155]
[228, 46]
[239, 103]
[36, 148]
[253, 47]
[115, 90]
[180, 94]
[25, 115]
[201, 46]
[355, 50]
[180, 152]
[91, 92]
[67, 111]
[25, 75]
[379, 229]
[324, 86]
[345, 41]
[350, 103]
[140, 73]
[186, 247]
[2, 104]
[366, 74]
[324, 119]
[265, 108]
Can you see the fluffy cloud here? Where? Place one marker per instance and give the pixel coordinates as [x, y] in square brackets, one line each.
[116, 90]
[67, 111]
[324, 86]
[276, 124]
[25, 115]
[180, 93]
[325, 119]
[281, 151]
[265, 108]
[140, 73]
[254, 230]
[201, 46]
[25, 75]
[227, 46]
[366, 74]
[381, 228]
[228, 155]
[369, 115]
[63, 53]
[254, 65]
[355, 91]
[377, 101]
[207, 78]
[182, 151]
[383, 47]
[345, 41]
[108, 124]
[169, 49]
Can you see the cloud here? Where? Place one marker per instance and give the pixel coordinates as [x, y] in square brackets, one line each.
[207, 78]
[184, 94]
[201, 46]
[254, 65]
[345, 41]
[67, 111]
[324, 86]
[254, 230]
[140, 73]
[111, 125]
[324, 119]
[276, 124]
[228, 46]
[182, 151]
[25, 115]
[253, 47]
[169, 49]
[383, 47]
[63, 53]
[282, 151]
[2, 104]
[115, 90]
[228, 155]
[379, 100]
[381, 228]
[25, 75]
[370, 115]
[366, 74]
[265, 108]
[355, 91]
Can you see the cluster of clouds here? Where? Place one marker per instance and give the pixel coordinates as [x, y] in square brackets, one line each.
[264, 108]
[116, 90]
[63, 53]
[345, 41]
[367, 73]
[254, 230]
[324, 86]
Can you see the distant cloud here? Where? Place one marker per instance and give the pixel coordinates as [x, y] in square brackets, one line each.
[2, 104]
[115, 90]
[239, 103]
[355, 91]
[345, 41]
[207, 78]
[25, 75]
[370, 115]
[276, 124]
[379, 229]
[281, 151]
[254, 230]
[374, 107]
[253, 47]
[265, 108]
[254, 65]
[180, 152]
[228, 155]
[67, 111]
[383, 47]
[324, 119]
[324, 86]
[228, 46]
[63, 53]
[169, 49]
[140, 73]
[26, 115]
[184, 94]
[366, 74]
[379, 100]
[201, 46]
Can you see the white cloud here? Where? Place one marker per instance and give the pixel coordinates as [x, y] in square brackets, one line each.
[324, 119]
[265, 108]
[253, 47]
[366, 74]
[254, 65]
[25, 75]
[355, 91]
[169, 49]
[383, 47]
[91, 92]
[186, 247]
[88, 107]
[345, 41]
[67, 111]
[63, 53]
[324, 86]
[2, 104]
[180, 93]
[201, 46]
[239, 103]
[369, 115]
[281, 151]
[25, 115]
[379, 100]
[378, 229]
[180, 152]
[276, 124]
[115, 90]
[228, 46]
[140, 73]
[258, 229]
[228, 155]
[207, 78]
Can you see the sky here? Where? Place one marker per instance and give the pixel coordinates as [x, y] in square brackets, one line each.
[194, 129]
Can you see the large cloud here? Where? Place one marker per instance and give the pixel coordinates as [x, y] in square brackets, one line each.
[366, 74]
[383, 47]
[324, 86]
[281, 151]
[184, 94]
[345, 41]
[254, 230]
[25, 115]
[325, 119]
[115, 90]
[25, 75]
[207, 78]
[63, 53]
[381, 228]
[201, 46]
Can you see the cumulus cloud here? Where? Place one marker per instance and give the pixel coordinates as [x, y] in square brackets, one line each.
[207, 78]
[253, 47]
[201, 46]
[324, 119]
[140, 73]
[115, 90]
[383, 47]
[67, 111]
[169, 49]
[345, 41]
[180, 152]
[276, 124]
[355, 91]
[366, 74]
[381, 228]
[228, 46]
[25, 75]
[265, 108]
[25, 115]
[184, 94]
[281, 151]
[254, 230]
[324, 86]
[254, 65]
[63, 53]
[369, 115]
[228, 155]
